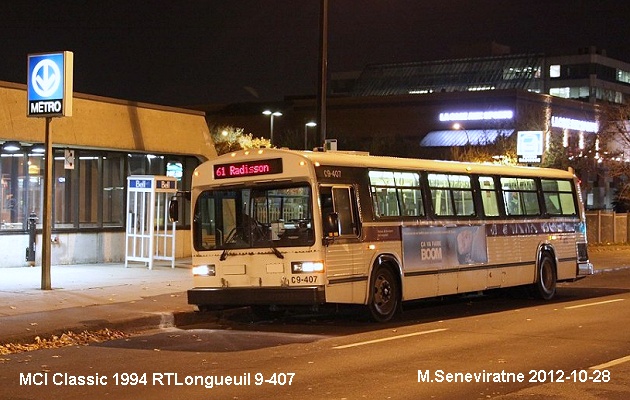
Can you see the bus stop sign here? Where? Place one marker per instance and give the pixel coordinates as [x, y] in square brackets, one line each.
[50, 84]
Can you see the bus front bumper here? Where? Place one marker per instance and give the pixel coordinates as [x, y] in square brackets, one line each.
[308, 295]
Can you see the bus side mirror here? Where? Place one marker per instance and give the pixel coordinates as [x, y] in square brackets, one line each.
[331, 225]
[173, 209]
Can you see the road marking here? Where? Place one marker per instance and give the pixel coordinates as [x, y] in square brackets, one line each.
[611, 363]
[594, 304]
[389, 338]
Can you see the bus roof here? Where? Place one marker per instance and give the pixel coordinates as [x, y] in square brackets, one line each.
[361, 159]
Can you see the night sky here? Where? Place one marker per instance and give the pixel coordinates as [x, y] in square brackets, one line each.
[214, 51]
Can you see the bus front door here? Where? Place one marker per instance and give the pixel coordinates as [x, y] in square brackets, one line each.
[344, 255]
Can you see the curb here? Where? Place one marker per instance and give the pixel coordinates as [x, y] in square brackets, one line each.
[150, 321]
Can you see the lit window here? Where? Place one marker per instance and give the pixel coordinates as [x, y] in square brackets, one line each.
[564, 92]
[554, 71]
[623, 76]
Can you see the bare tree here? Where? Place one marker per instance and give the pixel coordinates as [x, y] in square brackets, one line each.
[615, 151]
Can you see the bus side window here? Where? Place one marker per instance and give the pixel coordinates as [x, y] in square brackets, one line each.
[520, 196]
[558, 196]
[512, 203]
[489, 196]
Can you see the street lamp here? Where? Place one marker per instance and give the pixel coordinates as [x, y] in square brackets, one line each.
[271, 114]
[306, 126]
[457, 126]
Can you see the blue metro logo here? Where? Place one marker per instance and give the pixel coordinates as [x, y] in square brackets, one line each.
[46, 77]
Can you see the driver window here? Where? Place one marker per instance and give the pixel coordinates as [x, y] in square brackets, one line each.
[343, 204]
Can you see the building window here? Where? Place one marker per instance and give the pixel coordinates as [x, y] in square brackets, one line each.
[89, 188]
[612, 96]
[578, 92]
[14, 185]
[90, 196]
[623, 76]
[554, 71]
[563, 92]
[113, 189]
[64, 187]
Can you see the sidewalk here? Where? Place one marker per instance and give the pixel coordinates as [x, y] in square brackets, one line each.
[97, 296]
[90, 297]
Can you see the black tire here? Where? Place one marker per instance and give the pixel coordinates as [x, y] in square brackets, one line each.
[385, 295]
[546, 280]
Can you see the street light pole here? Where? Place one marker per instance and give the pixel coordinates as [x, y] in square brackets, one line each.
[271, 114]
[306, 126]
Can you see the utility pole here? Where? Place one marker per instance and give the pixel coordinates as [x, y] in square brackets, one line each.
[323, 71]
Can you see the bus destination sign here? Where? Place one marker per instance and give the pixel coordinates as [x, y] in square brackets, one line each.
[248, 168]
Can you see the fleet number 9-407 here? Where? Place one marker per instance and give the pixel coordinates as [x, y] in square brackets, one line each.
[332, 173]
[297, 279]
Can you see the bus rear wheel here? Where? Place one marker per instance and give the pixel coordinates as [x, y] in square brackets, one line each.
[385, 296]
[545, 286]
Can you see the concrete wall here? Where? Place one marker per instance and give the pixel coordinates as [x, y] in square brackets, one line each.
[79, 248]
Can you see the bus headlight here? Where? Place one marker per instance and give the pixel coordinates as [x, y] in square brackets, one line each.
[298, 267]
[203, 270]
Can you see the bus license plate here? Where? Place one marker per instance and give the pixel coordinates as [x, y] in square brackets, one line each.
[297, 280]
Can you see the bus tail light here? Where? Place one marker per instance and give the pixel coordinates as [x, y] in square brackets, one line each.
[298, 267]
[203, 270]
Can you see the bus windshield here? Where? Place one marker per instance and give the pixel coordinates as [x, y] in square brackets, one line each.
[240, 218]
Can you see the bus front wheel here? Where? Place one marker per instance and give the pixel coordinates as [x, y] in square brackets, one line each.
[547, 278]
[385, 296]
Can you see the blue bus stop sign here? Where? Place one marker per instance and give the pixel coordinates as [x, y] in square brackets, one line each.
[50, 84]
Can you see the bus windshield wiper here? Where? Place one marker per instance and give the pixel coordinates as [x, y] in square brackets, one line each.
[275, 250]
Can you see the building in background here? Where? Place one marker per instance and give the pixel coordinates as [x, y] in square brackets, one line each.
[588, 76]
[427, 109]
[109, 140]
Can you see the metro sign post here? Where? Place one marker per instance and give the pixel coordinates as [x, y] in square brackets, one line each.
[49, 94]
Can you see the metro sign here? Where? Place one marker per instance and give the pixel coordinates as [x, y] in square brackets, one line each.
[50, 84]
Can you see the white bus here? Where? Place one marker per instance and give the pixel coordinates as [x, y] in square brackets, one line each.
[279, 227]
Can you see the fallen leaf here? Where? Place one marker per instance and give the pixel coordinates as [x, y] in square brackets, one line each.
[67, 339]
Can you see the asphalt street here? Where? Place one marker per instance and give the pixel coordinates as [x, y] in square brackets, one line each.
[96, 296]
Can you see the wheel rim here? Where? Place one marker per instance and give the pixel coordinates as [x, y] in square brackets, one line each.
[383, 300]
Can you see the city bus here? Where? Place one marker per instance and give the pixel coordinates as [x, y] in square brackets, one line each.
[276, 227]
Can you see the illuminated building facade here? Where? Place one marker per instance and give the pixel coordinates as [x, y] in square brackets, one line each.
[427, 109]
[105, 141]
